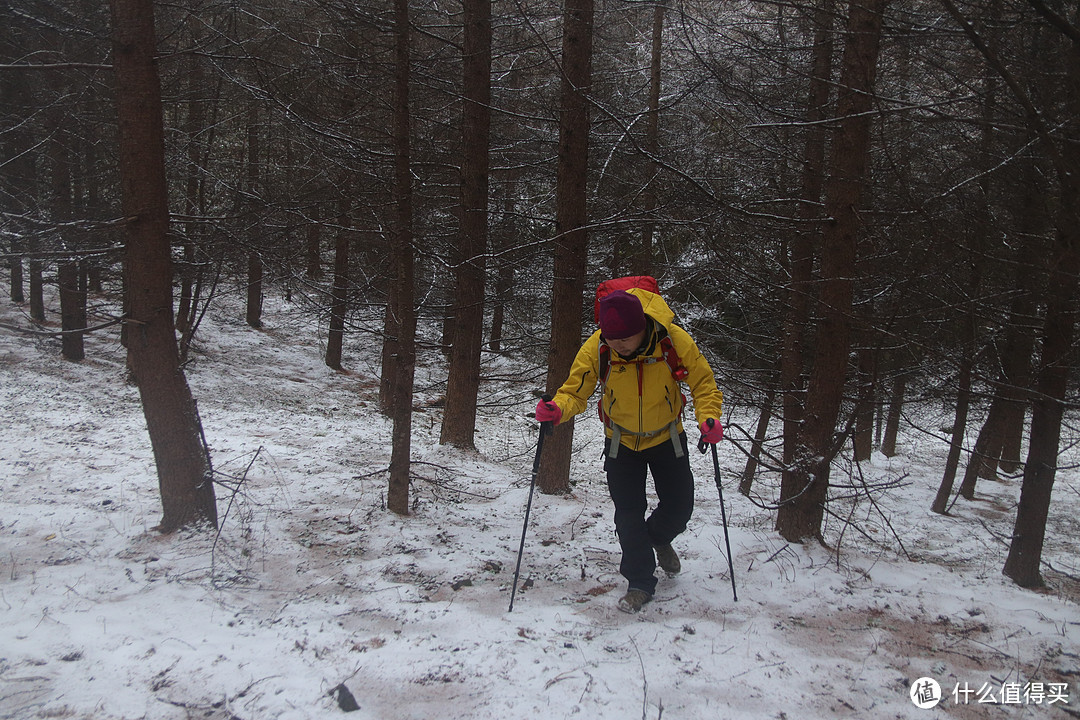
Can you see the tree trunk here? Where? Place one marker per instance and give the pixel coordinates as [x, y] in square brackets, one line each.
[504, 284]
[15, 265]
[506, 239]
[253, 312]
[19, 179]
[72, 311]
[1012, 436]
[803, 504]
[642, 262]
[864, 406]
[1048, 407]
[896, 409]
[403, 311]
[313, 264]
[1016, 359]
[183, 463]
[571, 237]
[37, 291]
[339, 294]
[463, 384]
[760, 434]
[253, 307]
[194, 122]
[983, 460]
[389, 348]
[1040, 470]
[956, 445]
[797, 312]
[72, 308]
[191, 321]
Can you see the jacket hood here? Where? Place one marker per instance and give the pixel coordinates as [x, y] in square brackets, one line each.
[655, 307]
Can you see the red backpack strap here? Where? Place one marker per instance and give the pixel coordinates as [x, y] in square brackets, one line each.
[671, 357]
[604, 367]
[605, 362]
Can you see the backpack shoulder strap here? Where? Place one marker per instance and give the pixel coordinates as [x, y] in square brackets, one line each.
[671, 357]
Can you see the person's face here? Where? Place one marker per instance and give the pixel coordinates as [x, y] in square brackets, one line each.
[627, 346]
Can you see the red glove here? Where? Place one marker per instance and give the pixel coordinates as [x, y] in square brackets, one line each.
[712, 431]
[547, 411]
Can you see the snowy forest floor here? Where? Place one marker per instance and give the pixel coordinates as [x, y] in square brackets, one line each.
[312, 584]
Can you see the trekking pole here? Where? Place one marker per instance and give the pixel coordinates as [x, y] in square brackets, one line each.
[723, 512]
[545, 429]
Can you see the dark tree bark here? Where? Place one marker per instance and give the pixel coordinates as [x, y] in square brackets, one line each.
[642, 262]
[72, 311]
[803, 503]
[966, 368]
[505, 240]
[571, 237]
[194, 123]
[1003, 427]
[1040, 469]
[463, 384]
[403, 311]
[1014, 384]
[72, 302]
[801, 250]
[253, 311]
[253, 307]
[504, 285]
[313, 264]
[956, 444]
[37, 290]
[760, 434]
[15, 264]
[865, 405]
[1013, 435]
[1048, 407]
[977, 238]
[183, 463]
[389, 348]
[339, 294]
[20, 173]
[896, 409]
[983, 460]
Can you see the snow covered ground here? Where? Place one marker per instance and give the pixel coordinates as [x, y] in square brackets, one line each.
[311, 584]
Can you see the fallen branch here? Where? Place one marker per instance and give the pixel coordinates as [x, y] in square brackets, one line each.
[61, 333]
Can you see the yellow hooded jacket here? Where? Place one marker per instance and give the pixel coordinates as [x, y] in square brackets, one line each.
[641, 396]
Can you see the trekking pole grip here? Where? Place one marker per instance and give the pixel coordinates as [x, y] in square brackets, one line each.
[546, 428]
[703, 446]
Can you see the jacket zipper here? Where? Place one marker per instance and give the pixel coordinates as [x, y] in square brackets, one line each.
[640, 403]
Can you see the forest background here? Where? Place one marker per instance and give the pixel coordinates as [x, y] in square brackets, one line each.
[856, 208]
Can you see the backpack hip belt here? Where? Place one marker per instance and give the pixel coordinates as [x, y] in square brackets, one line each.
[617, 431]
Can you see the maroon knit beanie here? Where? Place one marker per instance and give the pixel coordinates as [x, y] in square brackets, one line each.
[621, 315]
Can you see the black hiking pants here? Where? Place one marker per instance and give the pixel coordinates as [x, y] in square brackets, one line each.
[638, 535]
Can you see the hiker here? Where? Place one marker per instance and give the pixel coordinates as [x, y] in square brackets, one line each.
[638, 357]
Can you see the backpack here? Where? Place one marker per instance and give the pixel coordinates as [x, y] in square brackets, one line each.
[667, 350]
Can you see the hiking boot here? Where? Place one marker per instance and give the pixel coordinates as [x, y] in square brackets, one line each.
[634, 600]
[667, 559]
